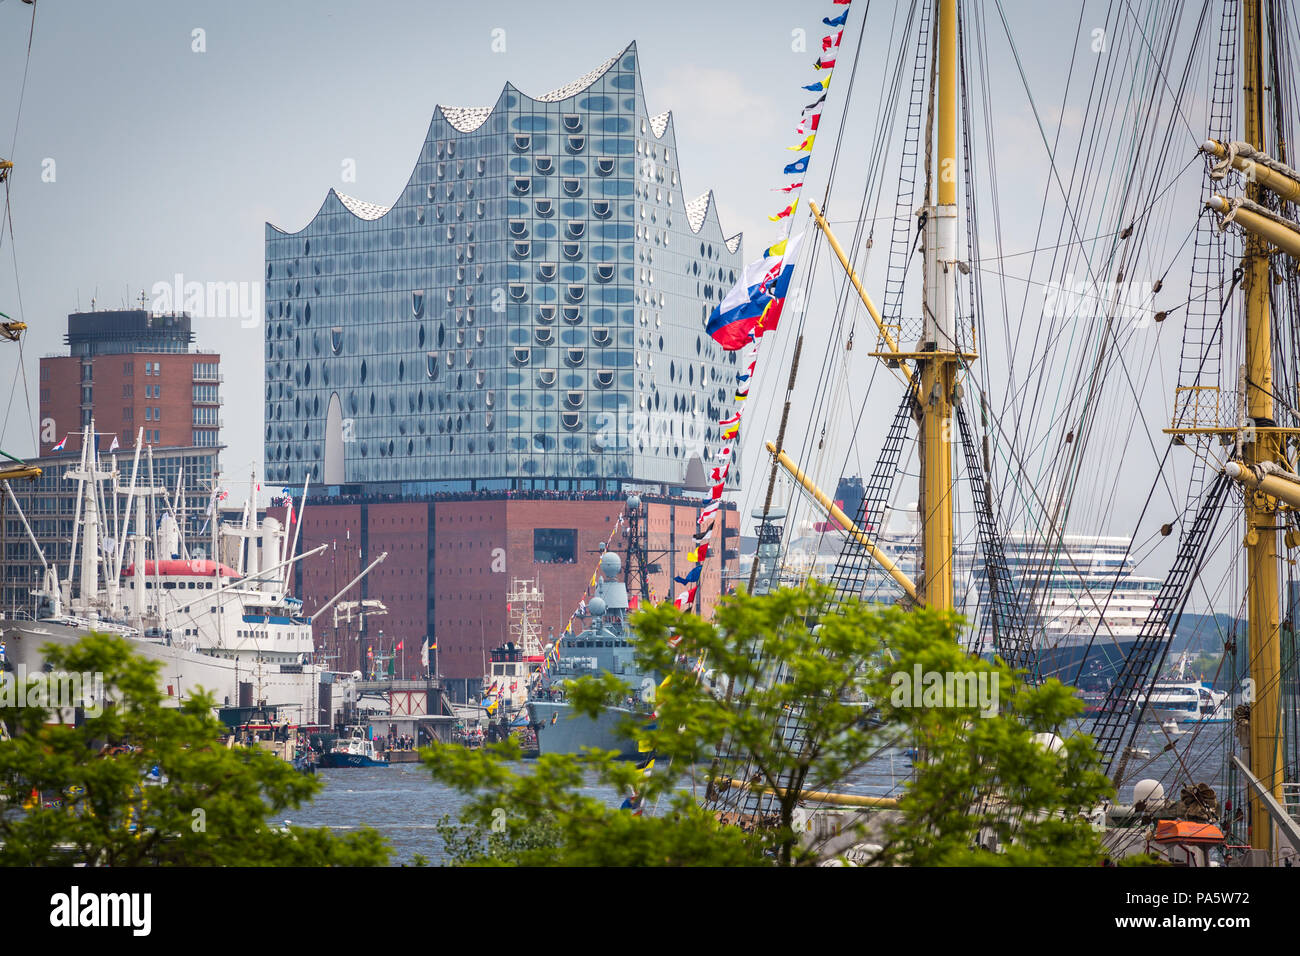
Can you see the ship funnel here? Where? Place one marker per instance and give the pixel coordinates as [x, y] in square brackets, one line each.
[271, 538]
[169, 536]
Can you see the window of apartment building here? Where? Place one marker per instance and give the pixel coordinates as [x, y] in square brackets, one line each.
[157, 414]
[128, 414]
[555, 545]
[128, 368]
[128, 390]
[204, 439]
[45, 396]
[205, 415]
[148, 413]
[45, 373]
[205, 393]
[87, 396]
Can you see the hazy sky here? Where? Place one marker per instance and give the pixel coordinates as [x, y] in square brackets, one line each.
[157, 138]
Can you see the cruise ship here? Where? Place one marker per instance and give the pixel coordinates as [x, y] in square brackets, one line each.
[1086, 604]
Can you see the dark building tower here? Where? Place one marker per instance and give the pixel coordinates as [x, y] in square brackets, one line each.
[528, 313]
[130, 369]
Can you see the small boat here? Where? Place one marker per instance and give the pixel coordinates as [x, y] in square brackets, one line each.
[354, 751]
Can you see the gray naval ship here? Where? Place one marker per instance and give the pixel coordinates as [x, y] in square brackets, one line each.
[605, 645]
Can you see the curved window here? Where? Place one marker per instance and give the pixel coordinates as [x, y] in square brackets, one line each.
[544, 336]
[488, 418]
[451, 358]
[520, 356]
[518, 292]
[522, 141]
[431, 365]
[577, 144]
[479, 377]
[572, 250]
[544, 165]
[451, 233]
[544, 207]
[604, 272]
[573, 399]
[604, 377]
[490, 399]
[546, 377]
[546, 314]
[575, 357]
[575, 228]
[522, 184]
[451, 147]
[604, 165]
[572, 314]
[482, 165]
[573, 122]
[574, 293]
[431, 192]
[546, 271]
[417, 302]
[601, 208]
[522, 249]
[571, 421]
[519, 228]
[600, 336]
[572, 187]
[336, 340]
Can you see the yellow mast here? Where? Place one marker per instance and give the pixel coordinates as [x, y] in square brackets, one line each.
[937, 357]
[1262, 559]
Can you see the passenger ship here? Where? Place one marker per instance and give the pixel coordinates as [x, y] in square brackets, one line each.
[235, 632]
[1086, 606]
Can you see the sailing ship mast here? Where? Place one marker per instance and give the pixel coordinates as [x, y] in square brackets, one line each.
[938, 357]
[1260, 444]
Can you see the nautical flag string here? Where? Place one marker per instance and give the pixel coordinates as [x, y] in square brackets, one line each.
[750, 310]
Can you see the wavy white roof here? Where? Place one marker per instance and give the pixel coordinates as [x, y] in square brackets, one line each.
[660, 123]
[580, 84]
[733, 243]
[697, 209]
[360, 208]
[466, 119]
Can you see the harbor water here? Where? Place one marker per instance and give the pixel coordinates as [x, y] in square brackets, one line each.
[405, 804]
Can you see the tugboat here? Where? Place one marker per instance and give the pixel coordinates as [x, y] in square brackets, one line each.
[357, 750]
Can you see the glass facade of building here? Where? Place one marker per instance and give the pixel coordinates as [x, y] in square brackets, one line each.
[530, 311]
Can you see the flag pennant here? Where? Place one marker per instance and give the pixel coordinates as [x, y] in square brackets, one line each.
[831, 41]
[837, 21]
[783, 189]
[823, 63]
[819, 85]
[787, 211]
[798, 166]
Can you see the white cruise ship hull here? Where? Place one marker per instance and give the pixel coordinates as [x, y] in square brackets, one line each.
[183, 672]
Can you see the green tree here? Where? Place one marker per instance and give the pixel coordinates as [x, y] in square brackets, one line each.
[208, 806]
[985, 771]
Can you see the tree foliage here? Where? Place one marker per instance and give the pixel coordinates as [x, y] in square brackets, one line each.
[985, 772]
[206, 805]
